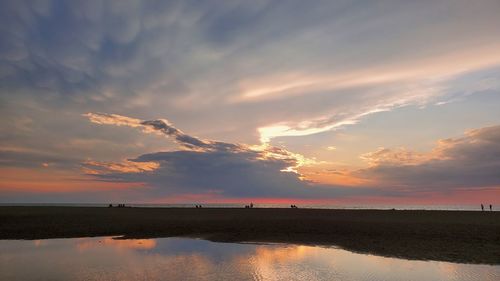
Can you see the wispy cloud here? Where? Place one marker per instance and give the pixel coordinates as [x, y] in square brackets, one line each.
[421, 90]
[161, 126]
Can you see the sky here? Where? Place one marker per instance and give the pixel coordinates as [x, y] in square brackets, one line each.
[342, 102]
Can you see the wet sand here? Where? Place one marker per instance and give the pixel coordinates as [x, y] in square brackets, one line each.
[457, 236]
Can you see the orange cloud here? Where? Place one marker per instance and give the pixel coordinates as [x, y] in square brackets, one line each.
[395, 156]
[99, 168]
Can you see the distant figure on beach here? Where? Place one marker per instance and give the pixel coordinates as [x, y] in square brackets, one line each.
[294, 206]
[110, 205]
[251, 205]
[482, 207]
[491, 208]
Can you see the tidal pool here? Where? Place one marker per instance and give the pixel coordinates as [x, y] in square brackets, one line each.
[105, 258]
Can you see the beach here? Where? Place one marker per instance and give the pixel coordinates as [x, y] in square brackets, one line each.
[455, 236]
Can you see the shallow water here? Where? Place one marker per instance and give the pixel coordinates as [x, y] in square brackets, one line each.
[105, 258]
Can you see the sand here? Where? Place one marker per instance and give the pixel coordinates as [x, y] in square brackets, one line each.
[456, 236]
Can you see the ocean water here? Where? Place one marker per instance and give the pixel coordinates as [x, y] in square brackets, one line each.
[256, 205]
[105, 258]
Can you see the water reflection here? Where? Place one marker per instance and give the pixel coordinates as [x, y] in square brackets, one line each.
[106, 258]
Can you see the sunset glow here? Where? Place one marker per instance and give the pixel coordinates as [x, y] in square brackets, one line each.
[335, 103]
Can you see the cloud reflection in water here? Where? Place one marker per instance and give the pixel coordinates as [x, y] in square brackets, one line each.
[105, 258]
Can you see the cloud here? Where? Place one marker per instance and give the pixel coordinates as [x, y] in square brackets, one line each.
[303, 72]
[359, 102]
[471, 161]
[100, 168]
[25, 158]
[210, 167]
[113, 119]
[239, 72]
[162, 126]
[399, 156]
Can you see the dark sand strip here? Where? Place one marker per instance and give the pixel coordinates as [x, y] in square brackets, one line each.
[457, 236]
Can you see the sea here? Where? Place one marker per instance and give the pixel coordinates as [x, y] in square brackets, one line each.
[257, 205]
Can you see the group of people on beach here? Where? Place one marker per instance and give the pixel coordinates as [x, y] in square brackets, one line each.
[250, 206]
[482, 207]
[119, 205]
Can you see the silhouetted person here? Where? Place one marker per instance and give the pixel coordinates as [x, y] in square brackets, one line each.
[110, 205]
[491, 208]
[482, 207]
[251, 205]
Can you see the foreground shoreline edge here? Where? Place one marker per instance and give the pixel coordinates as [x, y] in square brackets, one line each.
[454, 236]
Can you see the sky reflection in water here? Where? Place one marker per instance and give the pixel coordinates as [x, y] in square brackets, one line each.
[105, 258]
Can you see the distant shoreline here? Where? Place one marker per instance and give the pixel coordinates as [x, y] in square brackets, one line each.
[468, 207]
[455, 236]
